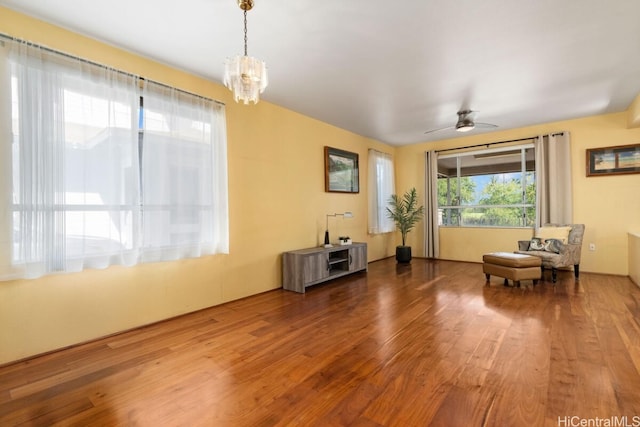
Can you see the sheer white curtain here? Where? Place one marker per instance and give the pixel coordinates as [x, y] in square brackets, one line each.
[554, 199]
[431, 236]
[73, 195]
[84, 185]
[184, 175]
[381, 187]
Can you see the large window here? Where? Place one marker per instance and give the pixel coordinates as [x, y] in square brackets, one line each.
[489, 188]
[183, 175]
[94, 178]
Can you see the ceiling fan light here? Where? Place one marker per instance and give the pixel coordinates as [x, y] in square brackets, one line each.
[465, 126]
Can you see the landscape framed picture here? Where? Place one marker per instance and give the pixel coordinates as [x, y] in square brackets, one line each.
[617, 160]
[341, 173]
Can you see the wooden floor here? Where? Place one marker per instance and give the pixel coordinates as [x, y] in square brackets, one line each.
[425, 344]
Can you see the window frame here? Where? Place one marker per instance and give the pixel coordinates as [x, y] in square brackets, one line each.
[527, 221]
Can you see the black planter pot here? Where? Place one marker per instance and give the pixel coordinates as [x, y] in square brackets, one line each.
[403, 254]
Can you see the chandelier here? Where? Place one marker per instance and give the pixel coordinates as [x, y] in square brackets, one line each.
[244, 75]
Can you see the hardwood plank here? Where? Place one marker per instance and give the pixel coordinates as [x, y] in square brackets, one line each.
[463, 405]
[405, 345]
[48, 414]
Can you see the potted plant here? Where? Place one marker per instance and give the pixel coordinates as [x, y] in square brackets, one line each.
[405, 212]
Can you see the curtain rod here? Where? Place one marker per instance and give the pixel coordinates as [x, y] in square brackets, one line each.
[87, 61]
[488, 144]
[378, 151]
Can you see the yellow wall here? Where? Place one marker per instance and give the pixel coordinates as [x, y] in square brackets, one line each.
[633, 119]
[469, 244]
[277, 203]
[609, 206]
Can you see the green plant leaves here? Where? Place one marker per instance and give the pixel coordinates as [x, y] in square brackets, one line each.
[405, 212]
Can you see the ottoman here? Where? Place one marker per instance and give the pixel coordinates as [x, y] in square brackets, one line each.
[511, 266]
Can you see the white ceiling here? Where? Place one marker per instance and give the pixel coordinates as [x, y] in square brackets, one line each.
[391, 70]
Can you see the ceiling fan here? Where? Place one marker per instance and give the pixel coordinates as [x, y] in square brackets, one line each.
[465, 123]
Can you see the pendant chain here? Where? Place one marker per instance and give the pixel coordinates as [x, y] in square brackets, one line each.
[245, 33]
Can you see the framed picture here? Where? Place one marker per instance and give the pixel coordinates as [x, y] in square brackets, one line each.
[340, 171]
[618, 160]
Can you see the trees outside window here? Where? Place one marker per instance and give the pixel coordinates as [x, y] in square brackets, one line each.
[490, 188]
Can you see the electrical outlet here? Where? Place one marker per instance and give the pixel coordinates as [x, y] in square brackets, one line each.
[592, 246]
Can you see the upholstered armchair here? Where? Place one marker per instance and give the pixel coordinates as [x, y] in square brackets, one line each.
[561, 255]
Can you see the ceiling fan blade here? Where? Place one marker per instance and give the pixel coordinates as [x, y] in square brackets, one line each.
[486, 125]
[438, 130]
[465, 123]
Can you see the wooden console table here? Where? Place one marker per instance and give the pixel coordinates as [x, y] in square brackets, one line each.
[307, 267]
